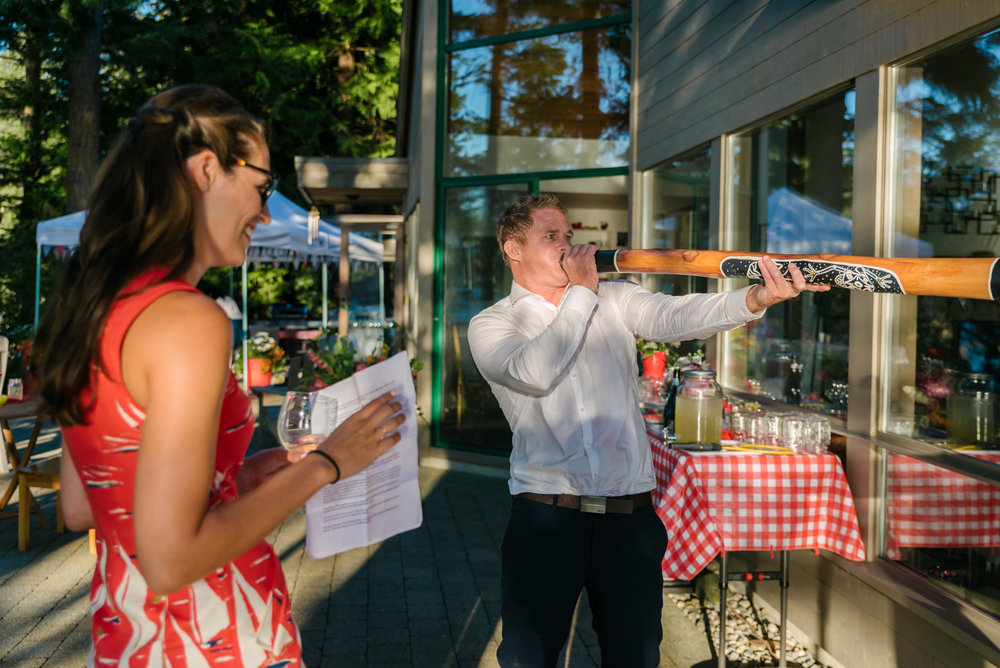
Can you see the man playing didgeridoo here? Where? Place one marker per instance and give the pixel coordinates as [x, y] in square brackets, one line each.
[559, 354]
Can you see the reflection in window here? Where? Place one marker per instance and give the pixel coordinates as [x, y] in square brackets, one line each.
[943, 358]
[791, 193]
[677, 205]
[945, 526]
[474, 19]
[552, 103]
[475, 277]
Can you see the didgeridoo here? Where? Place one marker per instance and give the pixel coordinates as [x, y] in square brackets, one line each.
[967, 277]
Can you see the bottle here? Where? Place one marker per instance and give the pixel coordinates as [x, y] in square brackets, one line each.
[971, 409]
[670, 406]
[793, 391]
[698, 408]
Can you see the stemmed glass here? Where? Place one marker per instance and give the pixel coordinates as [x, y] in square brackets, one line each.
[295, 423]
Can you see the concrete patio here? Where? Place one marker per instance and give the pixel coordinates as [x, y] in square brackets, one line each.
[426, 598]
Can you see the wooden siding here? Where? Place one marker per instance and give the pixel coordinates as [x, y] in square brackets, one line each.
[711, 67]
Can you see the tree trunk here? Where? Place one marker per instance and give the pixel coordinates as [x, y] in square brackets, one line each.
[82, 141]
[29, 117]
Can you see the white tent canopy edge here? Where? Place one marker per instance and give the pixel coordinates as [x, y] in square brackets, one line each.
[284, 240]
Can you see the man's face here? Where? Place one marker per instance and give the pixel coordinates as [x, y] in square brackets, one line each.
[535, 263]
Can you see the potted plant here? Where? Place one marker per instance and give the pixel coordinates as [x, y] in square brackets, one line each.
[264, 359]
[656, 356]
[333, 358]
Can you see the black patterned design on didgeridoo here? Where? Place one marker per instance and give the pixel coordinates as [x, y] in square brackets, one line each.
[837, 274]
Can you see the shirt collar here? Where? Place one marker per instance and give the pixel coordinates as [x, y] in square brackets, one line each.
[519, 292]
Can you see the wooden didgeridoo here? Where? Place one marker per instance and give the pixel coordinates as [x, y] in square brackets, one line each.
[968, 277]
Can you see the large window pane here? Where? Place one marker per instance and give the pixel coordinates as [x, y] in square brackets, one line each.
[473, 19]
[474, 277]
[945, 526]
[552, 103]
[677, 216]
[947, 153]
[791, 193]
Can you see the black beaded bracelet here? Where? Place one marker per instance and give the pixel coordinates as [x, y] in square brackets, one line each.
[329, 459]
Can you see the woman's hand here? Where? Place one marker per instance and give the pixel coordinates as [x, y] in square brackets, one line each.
[260, 466]
[363, 437]
[776, 288]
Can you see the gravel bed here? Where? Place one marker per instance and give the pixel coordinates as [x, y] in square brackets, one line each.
[752, 639]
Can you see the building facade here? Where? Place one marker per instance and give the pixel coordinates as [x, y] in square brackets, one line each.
[854, 127]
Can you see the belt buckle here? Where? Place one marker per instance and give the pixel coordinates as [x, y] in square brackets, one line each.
[593, 504]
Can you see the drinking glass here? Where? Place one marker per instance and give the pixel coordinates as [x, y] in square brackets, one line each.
[295, 423]
[817, 434]
[793, 432]
[739, 425]
[759, 433]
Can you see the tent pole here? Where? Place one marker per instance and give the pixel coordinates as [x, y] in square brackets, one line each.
[343, 314]
[381, 286]
[326, 309]
[245, 343]
[38, 283]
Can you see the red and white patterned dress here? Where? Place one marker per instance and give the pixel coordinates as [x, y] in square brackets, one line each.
[240, 615]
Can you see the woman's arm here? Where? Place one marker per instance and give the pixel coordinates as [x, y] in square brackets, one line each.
[179, 379]
[75, 506]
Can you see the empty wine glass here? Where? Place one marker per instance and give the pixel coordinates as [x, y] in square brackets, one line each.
[295, 423]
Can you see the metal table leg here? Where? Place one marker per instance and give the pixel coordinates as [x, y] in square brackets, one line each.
[723, 587]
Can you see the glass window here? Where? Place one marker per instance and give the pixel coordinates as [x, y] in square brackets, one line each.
[943, 361]
[791, 193]
[553, 103]
[475, 277]
[677, 216]
[473, 19]
[945, 526]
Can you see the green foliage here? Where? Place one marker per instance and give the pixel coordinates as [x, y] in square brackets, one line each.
[333, 358]
[323, 74]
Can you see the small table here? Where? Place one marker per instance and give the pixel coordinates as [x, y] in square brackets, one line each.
[929, 506]
[11, 411]
[719, 502]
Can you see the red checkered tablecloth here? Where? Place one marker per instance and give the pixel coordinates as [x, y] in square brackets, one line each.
[710, 501]
[929, 506]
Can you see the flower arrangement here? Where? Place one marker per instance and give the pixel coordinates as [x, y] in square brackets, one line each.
[334, 358]
[262, 346]
[646, 348]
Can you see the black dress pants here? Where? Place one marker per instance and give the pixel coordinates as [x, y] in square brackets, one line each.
[550, 554]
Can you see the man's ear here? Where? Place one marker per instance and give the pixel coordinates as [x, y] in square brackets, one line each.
[512, 249]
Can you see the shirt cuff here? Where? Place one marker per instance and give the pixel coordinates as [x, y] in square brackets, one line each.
[743, 313]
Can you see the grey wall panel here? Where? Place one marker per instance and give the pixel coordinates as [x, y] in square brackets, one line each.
[710, 68]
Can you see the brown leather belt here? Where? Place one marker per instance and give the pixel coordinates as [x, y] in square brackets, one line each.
[622, 505]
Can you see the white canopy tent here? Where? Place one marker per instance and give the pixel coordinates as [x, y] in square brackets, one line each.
[285, 240]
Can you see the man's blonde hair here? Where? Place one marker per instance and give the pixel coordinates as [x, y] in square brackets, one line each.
[516, 219]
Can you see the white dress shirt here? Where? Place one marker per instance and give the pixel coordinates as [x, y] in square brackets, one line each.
[566, 378]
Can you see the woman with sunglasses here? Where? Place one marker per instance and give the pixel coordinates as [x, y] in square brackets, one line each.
[133, 363]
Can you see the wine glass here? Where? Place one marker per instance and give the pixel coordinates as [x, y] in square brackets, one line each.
[295, 423]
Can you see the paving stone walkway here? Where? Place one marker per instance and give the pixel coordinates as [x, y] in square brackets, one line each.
[427, 598]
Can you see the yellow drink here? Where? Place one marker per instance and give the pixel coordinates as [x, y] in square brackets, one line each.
[698, 419]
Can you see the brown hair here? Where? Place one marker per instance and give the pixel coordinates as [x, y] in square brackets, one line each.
[516, 219]
[141, 216]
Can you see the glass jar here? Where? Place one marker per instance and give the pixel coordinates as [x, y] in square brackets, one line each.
[972, 409]
[698, 411]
